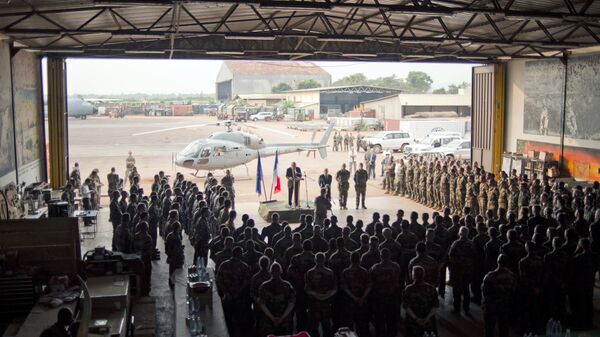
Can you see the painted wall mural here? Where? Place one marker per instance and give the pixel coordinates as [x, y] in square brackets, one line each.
[582, 118]
[7, 145]
[27, 104]
[544, 85]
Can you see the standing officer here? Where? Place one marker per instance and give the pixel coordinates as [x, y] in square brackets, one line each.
[320, 286]
[142, 245]
[342, 177]
[322, 205]
[113, 181]
[227, 181]
[293, 175]
[386, 294]
[335, 142]
[461, 257]
[400, 171]
[325, 182]
[390, 172]
[276, 300]
[498, 290]
[370, 159]
[356, 285]
[174, 250]
[421, 303]
[129, 165]
[360, 185]
[445, 187]
[233, 282]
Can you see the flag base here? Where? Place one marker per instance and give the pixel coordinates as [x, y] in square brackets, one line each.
[291, 215]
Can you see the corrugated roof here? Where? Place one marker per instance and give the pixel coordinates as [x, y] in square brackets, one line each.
[262, 96]
[274, 68]
[357, 88]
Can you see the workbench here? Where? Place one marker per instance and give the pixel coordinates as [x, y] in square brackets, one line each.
[110, 296]
[40, 317]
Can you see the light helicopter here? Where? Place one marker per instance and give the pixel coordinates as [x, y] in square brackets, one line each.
[228, 149]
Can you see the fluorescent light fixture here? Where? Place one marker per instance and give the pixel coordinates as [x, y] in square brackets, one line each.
[144, 52]
[420, 41]
[223, 52]
[464, 57]
[293, 54]
[251, 37]
[420, 56]
[339, 39]
[65, 51]
[504, 58]
[358, 55]
[521, 17]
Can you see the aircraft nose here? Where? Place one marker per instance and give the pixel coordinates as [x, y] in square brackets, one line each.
[183, 161]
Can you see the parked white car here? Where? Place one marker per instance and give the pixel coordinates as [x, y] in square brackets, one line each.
[433, 140]
[261, 116]
[457, 149]
[388, 140]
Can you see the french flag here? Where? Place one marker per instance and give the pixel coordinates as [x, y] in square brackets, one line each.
[276, 180]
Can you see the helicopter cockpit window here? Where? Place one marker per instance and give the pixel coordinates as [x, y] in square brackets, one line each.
[246, 140]
[205, 152]
[192, 150]
[219, 151]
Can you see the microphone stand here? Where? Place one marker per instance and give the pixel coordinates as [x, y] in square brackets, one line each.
[306, 187]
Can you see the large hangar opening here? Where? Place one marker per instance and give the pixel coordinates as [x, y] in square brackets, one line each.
[486, 183]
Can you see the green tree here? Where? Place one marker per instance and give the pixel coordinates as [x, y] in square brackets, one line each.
[354, 79]
[281, 87]
[388, 82]
[418, 82]
[308, 84]
[285, 105]
[440, 91]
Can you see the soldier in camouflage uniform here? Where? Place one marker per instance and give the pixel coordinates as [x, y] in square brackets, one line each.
[493, 195]
[276, 299]
[452, 181]
[445, 187]
[342, 177]
[174, 250]
[400, 178]
[423, 184]
[227, 181]
[322, 205]
[428, 263]
[142, 245]
[498, 290]
[321, 286]
[461, 190]
[386, 295]
[503, 195]
[535, 191]
[429, 186]
[524, 196]
[436, 186]
[513, 201]
[421, 303]
[202, 236]
[356, 286]
[415, 181]
[233, 283]
[409, 178]
[390, 173]
[482, 197]
[299, 265]
[461, 262]
[360, 185]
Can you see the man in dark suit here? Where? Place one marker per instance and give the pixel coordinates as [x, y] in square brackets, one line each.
[325, 182]
[293, 175]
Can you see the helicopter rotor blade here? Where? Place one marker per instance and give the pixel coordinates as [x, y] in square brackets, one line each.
[191, 126]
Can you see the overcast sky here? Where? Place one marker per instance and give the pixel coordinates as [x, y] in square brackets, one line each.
[110, 76]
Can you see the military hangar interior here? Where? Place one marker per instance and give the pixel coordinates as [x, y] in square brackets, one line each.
[534, 89]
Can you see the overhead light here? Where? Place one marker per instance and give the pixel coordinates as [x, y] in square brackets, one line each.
[420, 56]
[144, 52]
[420, 41]
[504, 58]
[358, 55]
[521, 17]
[340, 39]
[466, 57]
[64, 51]
[251, 37]
[293, 54]
[222, 52]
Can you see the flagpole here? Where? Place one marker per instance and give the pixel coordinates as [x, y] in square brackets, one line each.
[272, 180]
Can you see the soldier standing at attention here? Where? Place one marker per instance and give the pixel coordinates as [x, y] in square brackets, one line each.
[325, 180]
[174, 250]
[498, 290]
[129, 166]
[351, 142]
[445, 187]
[370, 160]
[340, 141]
[335, 142]
[202, 236]
[113, 181]
[461, 262]
[142, 245]
[276, 300]
[400, 171]
[299, 265]
[390, 172]
[115, 214]
[386, 295]
[346, 141]
[493, 195]
[227, 181]
[421, 303]
[320, 286]
[342, 177]
[352, 160]
[360, 185]
[322, 205]
[356, 285]
[409, 178]
[482, 197]
[233, 281]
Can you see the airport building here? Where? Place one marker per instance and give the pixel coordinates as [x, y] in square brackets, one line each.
[259, 77]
